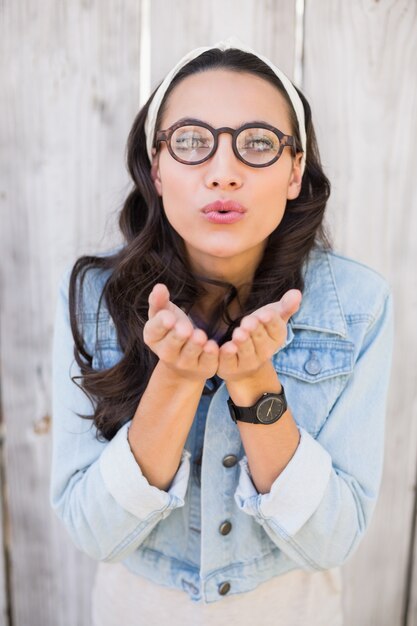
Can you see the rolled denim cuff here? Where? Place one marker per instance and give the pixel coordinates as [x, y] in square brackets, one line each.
[295, 494]
[124, 480]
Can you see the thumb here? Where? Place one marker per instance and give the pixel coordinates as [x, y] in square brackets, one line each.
[290, 303]
[158, 299]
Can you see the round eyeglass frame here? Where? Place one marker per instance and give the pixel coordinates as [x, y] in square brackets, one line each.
[284, 140]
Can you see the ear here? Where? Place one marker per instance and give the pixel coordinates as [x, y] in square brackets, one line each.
[294, 184]
[155, 174]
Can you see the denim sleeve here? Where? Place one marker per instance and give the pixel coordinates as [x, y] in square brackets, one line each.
[320, 506]
[97, 489]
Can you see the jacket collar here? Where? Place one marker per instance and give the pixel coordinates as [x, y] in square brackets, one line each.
[320, 308]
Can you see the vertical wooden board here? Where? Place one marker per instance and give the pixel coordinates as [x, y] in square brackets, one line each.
[3, 531]
[360, 60]
[70, 93]
[177, 27]
[412, 600]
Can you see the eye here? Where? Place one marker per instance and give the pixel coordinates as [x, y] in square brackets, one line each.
[188, 139]
[257, 141]
[190, 142]
[259, 144]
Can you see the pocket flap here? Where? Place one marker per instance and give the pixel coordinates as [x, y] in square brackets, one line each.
[312, 360]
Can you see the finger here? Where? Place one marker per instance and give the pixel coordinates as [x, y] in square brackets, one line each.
[209, 356]
[169, 348]
[286, 307]
[276, 328]
[158, 299]
[263, 344]
[242, 337]
[265, 315]
[251, 322]
[199, 354]
[228, 357]
[158, 327]
[267, 331]
[290, 303]
[211, 348]
[192, 349]
[240, 334]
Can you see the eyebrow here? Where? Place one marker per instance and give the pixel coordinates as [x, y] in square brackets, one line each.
[242, 123]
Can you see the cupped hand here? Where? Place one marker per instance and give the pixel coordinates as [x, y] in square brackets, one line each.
[171, 336]
[258, 337]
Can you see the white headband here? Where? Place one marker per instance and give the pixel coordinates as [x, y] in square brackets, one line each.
[231, 42]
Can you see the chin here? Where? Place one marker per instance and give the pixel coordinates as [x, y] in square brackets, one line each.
[222, 253]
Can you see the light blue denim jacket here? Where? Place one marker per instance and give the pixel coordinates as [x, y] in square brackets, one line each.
[335, 368]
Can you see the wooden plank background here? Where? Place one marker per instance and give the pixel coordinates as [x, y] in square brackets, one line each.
[71, 93]
[3, 531]
[71, 75]
[360, 75]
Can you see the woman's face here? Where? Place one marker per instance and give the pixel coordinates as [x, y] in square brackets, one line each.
[225, 98]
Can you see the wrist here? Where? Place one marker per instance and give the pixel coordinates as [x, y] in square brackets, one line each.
[173, 377]
[246, 391]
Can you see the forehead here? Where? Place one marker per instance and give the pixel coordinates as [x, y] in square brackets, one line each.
[227, 98]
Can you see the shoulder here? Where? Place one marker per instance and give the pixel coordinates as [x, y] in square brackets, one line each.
[351, 275]
[93, 320]
[358, 289]
[91, 281]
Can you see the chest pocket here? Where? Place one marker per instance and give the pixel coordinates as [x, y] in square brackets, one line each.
[314, 373]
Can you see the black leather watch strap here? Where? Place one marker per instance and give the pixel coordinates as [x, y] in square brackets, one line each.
[267, 410]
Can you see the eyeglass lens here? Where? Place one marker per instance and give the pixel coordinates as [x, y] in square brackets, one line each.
[195, 143]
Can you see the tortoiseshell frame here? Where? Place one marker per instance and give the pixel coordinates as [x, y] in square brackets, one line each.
[284, 140]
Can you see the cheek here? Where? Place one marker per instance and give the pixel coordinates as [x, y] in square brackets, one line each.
[175, 182]
[272, 198]
[175, 199]
[177, 193]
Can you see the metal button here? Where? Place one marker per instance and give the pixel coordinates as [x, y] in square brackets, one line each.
[312, 366]
[225, 528]
[229, 460]
[224, 588]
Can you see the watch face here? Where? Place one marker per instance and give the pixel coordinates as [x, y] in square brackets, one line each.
[269, 410]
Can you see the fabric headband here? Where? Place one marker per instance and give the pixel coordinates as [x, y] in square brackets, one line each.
[231, 42]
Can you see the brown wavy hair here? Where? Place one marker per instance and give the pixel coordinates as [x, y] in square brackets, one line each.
[153, 252]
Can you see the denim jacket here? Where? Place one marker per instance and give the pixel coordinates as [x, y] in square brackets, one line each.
[211, 532]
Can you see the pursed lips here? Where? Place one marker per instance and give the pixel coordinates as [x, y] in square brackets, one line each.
[224, 206]
[223, 212]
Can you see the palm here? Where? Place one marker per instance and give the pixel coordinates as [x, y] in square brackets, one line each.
[169, 333]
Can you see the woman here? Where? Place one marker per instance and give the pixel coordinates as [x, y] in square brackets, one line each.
[222, 452]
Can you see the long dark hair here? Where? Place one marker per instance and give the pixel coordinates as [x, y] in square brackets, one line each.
[153, 252]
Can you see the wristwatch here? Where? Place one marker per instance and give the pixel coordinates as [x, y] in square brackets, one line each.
[267, 410]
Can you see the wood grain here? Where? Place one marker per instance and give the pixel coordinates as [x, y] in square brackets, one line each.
[71, 85]
[360, 60]
[266, 26]
[4, 532]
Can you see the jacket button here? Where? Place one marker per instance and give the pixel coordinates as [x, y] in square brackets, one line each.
[229, 460]
[224, 588]
[225, 528]
[312, 366]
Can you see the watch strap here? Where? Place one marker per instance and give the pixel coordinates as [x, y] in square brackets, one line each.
[248, 414]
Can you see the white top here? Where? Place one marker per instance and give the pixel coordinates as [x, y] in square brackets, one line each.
[299, 598]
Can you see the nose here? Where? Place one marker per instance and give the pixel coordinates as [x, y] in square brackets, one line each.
[223, 168]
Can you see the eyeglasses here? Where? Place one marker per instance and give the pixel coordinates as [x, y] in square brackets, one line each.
[256, 144]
